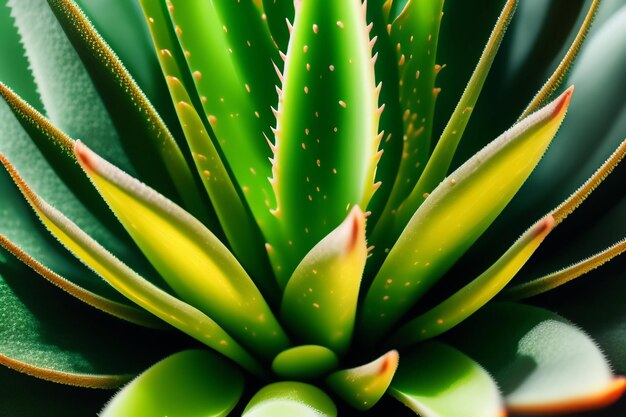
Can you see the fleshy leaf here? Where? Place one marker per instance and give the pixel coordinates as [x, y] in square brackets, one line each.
[141, 127]
[477, 293]
[415, 33]
[229, 53]
[550, 281]
[325, 156]
[453, 217]
[286, 399]
[36, 338]
[241, 230]
[439, 162]
[165, 306]
[542, 362]
[320, 300]
[387, 76]
[22, 234]
[279, 12]
[362, 387]
[18, 75]
[193, 383]
[189, 257]
[304, 362]
[435, 380]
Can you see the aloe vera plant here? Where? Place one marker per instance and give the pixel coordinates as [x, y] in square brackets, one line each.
[264, 208]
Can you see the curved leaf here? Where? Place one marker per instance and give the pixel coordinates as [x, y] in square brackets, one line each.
[141, 128]
[320, 300]
[304, 362]
[362, 387]
[473, 296]
[439, 162]
[284, 399]
[543, 363]
[47, 334]
[458, 211]
[325, 156]
[279, 12]
[165, 306]
[435, 380]
[193, 383]
[188, 256]
[242, 232]
[229, 52]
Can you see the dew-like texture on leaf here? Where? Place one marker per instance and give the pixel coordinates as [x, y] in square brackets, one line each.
[436, 380]
[287, 399]
[542, 362]
[193, 383]
[43, 332]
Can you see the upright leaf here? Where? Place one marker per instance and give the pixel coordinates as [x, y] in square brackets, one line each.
[325, 155]
[457, 212]
[229, 52]
[320, 300]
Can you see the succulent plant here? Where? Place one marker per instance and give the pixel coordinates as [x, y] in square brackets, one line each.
[267, 214]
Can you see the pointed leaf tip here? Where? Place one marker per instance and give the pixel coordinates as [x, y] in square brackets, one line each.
[362, 387]
[320, 299]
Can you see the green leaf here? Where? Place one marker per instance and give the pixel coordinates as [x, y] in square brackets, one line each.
[18, 74]
[362, 387]
[457, 212]
[47, 334]
[325, 156]
[278, 13]
[19, 390]
[122, 25]
[439, 162]
[165, 306]
[193, 383]
[320, 300]
[237, 94]
[477, 293]
[69, 96]
[22, 234]
[304, 362]
[415, 34]
[386, 71]
[436, 380]
[242, 232]
[189, 257]
[146, 138]
[565, 166]
[542, 362]
[286, 399]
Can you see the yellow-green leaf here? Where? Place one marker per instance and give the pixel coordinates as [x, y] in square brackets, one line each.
[453, 217]
[189, 257]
